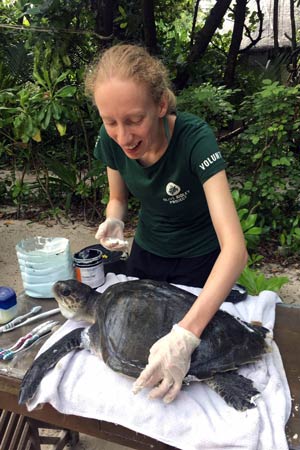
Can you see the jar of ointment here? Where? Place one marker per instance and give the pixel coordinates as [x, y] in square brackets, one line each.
[8, 304]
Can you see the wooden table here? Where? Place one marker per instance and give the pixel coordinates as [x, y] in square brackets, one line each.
[287, 336]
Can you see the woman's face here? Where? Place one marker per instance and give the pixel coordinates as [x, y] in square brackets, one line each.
[130, 116]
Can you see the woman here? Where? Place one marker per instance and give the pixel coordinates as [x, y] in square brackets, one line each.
[188, 231]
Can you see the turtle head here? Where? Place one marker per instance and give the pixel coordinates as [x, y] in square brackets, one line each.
[74, 298]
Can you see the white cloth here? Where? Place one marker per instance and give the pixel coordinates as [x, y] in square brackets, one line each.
[198, 419]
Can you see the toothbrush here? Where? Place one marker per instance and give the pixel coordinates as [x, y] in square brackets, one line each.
[22, 339]
[20, 319]
[6, 328]
[30, 339]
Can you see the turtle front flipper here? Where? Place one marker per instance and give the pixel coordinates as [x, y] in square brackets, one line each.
[237, 294]
[46, 361]
[236, 390]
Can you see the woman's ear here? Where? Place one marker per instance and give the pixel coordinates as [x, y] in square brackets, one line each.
[163, 105]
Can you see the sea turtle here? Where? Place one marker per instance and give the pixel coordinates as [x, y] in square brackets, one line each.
[130, 316]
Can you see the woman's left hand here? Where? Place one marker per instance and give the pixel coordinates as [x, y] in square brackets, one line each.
[168, 363]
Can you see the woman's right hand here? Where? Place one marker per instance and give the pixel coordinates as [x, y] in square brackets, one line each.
[110, 234]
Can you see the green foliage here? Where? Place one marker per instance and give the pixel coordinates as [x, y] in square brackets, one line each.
[174, 26]
[209, 102]
[290, 235]
[122, 19]
[174, 38]
[266, 152]
[128, 21]
[248, 220]
[70, 182]
[210, 68]
[20, 191]
[56, 95]
[256, 282]
[32, 107]
[47, 121]
[253, 259]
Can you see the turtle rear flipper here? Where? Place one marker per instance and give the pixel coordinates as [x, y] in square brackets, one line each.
[46, 361]
[236, 390]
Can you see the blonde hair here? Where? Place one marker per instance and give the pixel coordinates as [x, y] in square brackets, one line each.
[131, 62]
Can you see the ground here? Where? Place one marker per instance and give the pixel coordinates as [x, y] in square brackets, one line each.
[80, 236]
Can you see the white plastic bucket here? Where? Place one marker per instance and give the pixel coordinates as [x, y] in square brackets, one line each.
[42, 262]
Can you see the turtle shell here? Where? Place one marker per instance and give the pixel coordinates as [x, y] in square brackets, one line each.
[135, 314]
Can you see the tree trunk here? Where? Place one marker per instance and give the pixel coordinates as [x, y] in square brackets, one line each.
[202, 40]
[194, 22]
[253, 42]
[149, 25]
[293, 40]
[236, 39]
[104, 16]
[293, 25]
[204, 36]
[275, 26]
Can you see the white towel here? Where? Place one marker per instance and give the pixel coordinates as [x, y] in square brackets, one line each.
[198, 419]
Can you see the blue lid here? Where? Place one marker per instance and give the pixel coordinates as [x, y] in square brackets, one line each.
[8, 297]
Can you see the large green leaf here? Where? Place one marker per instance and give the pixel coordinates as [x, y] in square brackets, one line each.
[256, 282]
[66, 91]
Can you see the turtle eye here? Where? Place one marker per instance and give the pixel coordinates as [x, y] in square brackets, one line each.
[66, 291]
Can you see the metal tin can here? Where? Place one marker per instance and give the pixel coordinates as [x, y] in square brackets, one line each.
[89, 267]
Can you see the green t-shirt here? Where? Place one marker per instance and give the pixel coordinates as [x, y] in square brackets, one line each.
[174, 219]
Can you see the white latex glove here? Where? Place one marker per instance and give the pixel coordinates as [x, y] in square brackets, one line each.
[168, 363]
[110, 234]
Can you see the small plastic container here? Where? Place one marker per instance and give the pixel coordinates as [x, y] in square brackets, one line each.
[8, 304]
[42, 262]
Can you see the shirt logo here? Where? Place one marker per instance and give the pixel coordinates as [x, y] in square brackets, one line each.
[172, 189]
[210, 160]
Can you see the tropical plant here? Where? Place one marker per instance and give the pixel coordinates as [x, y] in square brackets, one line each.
[248, 219]
[256, 282]
[209, 102]
[49, 120]
[265, 154]
[290, 236]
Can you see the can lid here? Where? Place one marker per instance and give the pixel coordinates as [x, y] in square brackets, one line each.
[8, 297]
[88, 256]
[108, 256]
